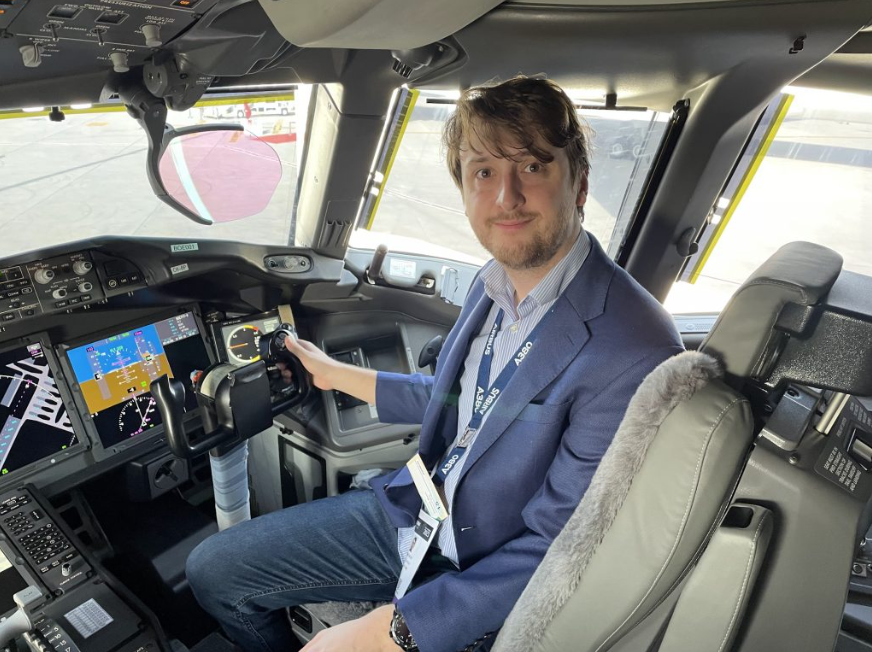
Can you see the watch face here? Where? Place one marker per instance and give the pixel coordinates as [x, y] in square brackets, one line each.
[400, 633]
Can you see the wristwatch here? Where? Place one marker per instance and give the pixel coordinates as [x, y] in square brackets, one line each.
[400, 633]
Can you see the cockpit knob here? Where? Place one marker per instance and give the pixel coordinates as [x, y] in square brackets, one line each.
[60, 293]
[44, 276]
[152, 35]
[119, 61]
[85, 287]
[30, 55]
[82, 267]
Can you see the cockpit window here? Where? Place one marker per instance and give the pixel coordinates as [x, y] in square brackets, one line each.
[413, 206]
[85, 176]
[806, 175]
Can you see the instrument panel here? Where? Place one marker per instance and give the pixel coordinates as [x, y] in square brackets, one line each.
[78, 349]
[59, 401]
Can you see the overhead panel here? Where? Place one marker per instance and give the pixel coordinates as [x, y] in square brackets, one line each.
[372, 24]
[68, 38]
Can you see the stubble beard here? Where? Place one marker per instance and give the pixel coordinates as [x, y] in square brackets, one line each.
[537, 251]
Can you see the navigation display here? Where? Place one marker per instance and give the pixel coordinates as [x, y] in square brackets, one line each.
[34, 422]
[114, 374]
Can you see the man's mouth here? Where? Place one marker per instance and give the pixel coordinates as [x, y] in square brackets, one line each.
[513, 224]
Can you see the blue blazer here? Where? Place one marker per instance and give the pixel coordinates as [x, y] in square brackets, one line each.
[534, 457]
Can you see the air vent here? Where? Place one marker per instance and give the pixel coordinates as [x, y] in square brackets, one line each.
[336, 234]
[64, 12]
[111, 18]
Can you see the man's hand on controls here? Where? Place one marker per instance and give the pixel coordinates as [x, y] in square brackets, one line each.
[328, 373]
[319, 364]
[367, 634]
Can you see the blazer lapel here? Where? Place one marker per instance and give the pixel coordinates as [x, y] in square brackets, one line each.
[448, 374]
[561, 339]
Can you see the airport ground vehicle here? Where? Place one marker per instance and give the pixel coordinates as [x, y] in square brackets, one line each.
[705, 71]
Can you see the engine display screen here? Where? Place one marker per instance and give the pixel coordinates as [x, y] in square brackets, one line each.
[34, 422]
[114, 374]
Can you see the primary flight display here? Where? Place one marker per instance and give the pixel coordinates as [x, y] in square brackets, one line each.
[114, 374]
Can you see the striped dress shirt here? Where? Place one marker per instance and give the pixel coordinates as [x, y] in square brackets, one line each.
[516, 326]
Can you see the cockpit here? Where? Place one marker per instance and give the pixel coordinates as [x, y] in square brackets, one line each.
[187, 183]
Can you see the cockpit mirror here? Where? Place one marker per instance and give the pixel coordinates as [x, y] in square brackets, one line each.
[219, 175]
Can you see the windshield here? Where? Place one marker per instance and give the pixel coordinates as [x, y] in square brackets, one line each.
[413, 205]
[85, 177]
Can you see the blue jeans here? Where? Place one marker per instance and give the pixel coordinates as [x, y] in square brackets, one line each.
[342, 548]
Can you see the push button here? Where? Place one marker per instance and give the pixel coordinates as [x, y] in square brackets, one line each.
[7, 316]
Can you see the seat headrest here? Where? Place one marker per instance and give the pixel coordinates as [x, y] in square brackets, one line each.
[745, 337]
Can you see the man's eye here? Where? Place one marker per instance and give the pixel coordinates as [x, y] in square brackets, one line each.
[534, 167]
[483, 174]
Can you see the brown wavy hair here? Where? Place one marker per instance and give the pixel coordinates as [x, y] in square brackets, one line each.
[517, 113]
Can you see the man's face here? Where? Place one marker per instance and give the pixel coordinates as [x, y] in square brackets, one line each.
[522, 211]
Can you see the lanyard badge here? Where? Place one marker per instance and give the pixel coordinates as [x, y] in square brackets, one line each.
[433, 511]
[430, 518]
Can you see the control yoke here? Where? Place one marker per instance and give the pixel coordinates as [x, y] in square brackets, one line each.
[235, 403]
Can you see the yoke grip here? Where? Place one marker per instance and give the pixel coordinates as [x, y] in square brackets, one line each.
[169, 394]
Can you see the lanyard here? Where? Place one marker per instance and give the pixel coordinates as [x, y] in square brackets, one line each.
[485, 396]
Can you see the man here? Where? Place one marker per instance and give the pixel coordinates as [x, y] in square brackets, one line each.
[531, 385]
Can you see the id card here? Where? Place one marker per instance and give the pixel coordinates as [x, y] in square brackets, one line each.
[426, 528]
[426, 489]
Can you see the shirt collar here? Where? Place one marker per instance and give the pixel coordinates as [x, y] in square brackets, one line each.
[499, 288]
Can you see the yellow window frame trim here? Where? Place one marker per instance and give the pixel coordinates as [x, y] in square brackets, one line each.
[736, 199]
[395, 147]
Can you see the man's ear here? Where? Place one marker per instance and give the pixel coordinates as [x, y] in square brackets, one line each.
[581, 197]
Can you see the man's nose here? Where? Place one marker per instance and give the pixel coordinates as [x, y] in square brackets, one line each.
[511, 196]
